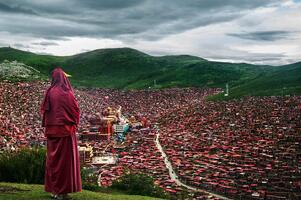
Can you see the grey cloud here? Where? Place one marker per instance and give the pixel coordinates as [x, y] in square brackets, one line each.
[4, 44]
[21, 46]
[43, 53]
[148, 19]
[251, 57]
[262, 35]
[46, 43]
[105, 4]
[15, 9]
[85, 50]
[133, 21]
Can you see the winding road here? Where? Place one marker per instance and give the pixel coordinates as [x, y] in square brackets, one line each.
[172, 173]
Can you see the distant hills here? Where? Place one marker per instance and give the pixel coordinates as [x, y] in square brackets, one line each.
[127, 68]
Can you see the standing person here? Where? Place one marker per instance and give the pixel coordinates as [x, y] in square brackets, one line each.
[60, 113]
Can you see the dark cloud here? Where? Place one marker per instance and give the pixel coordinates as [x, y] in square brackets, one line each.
[20, 46]
[142, 23]
[148, 19]
[15, 9]
[46, 43]
[105, 4]
[262, 35]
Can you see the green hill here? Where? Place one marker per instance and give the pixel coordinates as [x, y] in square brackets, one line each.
[128, 68]
[42, 63]
[14, 191]
[18, 71]
[280, 80]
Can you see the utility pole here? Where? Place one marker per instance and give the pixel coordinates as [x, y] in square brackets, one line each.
[227, 90]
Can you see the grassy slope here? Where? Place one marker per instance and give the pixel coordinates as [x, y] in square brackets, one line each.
[281, 80]
[131, 69]
[39, 62]
[36, 192]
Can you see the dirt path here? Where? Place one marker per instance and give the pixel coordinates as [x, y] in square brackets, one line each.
[172, 173]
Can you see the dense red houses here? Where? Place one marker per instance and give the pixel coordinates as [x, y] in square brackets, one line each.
[246, 148]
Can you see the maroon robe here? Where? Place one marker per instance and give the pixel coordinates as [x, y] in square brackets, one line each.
[60, 113]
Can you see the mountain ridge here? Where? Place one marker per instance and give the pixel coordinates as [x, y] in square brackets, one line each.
[127, 68]
[135, 50]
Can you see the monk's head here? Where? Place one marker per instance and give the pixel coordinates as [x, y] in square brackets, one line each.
[59, 78]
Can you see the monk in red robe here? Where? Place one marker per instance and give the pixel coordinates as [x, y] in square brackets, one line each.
[60, 113]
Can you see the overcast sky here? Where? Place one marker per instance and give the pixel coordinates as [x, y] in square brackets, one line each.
[253, 31]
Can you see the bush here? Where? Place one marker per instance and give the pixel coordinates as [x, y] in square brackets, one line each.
[138, 184]
[24, 166]
[89, 180]
[28, 166]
